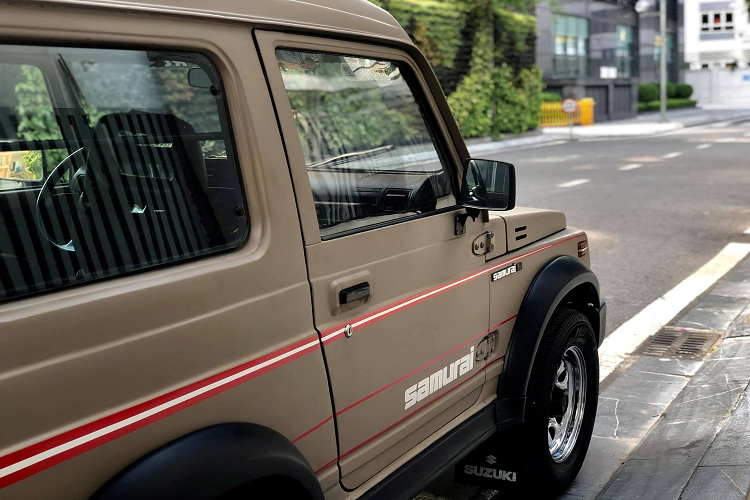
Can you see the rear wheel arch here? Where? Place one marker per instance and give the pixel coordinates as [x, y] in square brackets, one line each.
[213, 463]
[564, 281]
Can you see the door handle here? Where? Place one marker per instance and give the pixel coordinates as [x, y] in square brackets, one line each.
[356, 292]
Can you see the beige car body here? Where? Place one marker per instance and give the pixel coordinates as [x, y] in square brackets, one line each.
[94, 377]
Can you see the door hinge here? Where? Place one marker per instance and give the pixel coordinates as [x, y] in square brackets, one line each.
[486, 347]
[484, 243]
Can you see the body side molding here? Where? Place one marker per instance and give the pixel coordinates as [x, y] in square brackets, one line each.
[210, 462]
[556, 280]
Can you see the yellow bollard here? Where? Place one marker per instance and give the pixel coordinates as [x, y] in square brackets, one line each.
[586, 110]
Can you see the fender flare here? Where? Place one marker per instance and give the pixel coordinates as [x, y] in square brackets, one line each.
[548, 289]
[209, 462]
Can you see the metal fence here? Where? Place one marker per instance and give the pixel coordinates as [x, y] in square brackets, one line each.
[553, 115]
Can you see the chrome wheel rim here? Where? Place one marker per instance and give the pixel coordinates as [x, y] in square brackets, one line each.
[567, 404]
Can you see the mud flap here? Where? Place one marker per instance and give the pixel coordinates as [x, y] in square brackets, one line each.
[499, 463]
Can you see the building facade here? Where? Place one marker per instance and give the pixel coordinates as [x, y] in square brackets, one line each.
[717, 34]
[603, 49]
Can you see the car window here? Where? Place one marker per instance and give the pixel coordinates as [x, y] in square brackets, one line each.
[111, 161]
[370, 153]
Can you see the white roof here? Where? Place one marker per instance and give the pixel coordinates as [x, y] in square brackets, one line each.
[352, 16]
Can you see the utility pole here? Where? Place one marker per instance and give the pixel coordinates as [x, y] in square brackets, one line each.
[663, 61]
[642, 6]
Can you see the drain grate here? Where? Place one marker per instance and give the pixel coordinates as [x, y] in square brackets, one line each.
[683, 343]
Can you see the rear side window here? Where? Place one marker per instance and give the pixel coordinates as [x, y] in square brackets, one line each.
[111, 161]
[371, 155]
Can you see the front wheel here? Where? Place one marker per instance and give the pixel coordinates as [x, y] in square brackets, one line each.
[561, 402]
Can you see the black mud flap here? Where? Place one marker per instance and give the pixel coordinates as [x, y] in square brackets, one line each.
[499, 463]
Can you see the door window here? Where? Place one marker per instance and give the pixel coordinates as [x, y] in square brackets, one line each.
[111, 161]
[370, 152]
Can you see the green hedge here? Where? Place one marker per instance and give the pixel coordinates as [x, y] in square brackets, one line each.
[671, 90]
[684, 91]
[550, 97]
[671, 104]
[647, 92]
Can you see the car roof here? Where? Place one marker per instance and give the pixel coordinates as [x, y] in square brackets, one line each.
[359, 17]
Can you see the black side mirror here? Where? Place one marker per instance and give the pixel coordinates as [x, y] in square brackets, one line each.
[197, 77]
[489, 185]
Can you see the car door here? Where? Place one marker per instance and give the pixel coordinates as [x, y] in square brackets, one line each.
[399, 298]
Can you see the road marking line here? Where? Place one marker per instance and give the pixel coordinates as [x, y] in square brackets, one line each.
[747, 135]
[632, 166]
[747, 231]
[626, 339]
[672, 155]
[574, 183]
[703, 146]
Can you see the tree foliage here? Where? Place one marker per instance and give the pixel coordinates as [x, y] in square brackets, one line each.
[36, 119]
[483, 53]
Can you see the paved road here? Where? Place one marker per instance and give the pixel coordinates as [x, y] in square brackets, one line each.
[655, 209]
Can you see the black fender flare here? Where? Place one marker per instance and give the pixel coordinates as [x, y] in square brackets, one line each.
[209, 462]
[550, 286]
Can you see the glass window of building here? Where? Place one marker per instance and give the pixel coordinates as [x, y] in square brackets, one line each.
[717, 21]
[571, 40]
[625, 52]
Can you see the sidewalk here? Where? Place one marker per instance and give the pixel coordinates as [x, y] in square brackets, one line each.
[698, 448]
[648, 124]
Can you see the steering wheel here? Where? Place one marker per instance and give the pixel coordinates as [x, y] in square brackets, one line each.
[479, 192]
[46, 192]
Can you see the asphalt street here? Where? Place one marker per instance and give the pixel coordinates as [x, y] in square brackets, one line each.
[655, 208]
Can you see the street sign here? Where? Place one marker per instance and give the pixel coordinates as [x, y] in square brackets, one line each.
[569, 106]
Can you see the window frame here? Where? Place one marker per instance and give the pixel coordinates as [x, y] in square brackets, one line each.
[723, 26]
[59, 96]
[269, 42]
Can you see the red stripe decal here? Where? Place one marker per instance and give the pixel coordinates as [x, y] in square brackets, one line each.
[40, 456]
[400, 379]
[311, 430]
[336, 332]
[394, 424]
[141, 414]
[327, 465]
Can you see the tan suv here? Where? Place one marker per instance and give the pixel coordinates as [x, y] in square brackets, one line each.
[244, 254]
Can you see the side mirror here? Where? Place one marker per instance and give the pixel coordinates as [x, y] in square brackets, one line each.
[489, 185]
[197, 77]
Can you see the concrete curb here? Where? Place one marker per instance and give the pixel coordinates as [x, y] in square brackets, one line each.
[490, 147]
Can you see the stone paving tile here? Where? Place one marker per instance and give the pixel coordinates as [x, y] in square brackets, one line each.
[729, 363]
[660, 479]
[729, 482]
[645, 388]
[731, 445]
[579, 491]
[740, 327]
[713, 312]
[669, 366]
[625, 420]
[705, 401]
[730, 288]
[679, 439]
[602, 460]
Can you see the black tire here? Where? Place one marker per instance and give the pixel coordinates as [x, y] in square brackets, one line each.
[567, 328]
[268, 488]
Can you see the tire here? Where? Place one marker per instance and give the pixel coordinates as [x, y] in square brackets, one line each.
[268, 488]
[552, 464]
